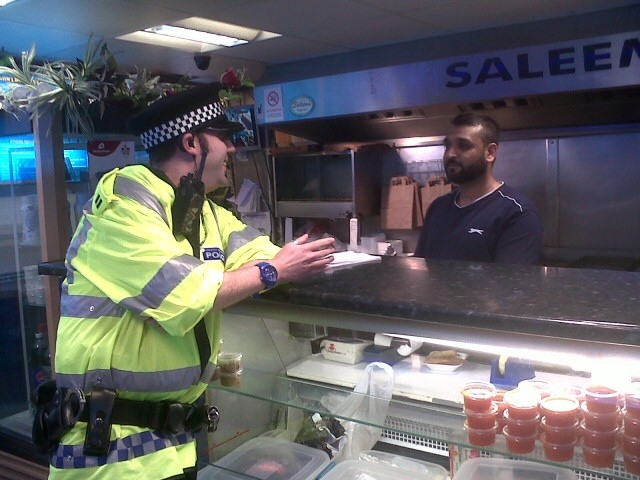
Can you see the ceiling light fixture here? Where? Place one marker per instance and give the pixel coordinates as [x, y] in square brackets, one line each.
[197, 34]
[6, 2]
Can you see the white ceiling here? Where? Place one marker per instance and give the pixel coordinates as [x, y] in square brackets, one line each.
[310, 28]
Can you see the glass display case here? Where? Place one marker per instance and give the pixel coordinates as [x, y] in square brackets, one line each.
[286, 378]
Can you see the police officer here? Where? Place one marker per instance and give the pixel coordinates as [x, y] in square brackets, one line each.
[149, 269]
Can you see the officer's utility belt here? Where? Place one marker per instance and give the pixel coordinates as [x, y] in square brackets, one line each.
[59, 409]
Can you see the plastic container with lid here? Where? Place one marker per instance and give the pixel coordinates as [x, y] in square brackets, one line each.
[522, 403]
[426, 470]
[359, 469]
[267, 457]
[507, 469]
[478, 396]
[230, 362]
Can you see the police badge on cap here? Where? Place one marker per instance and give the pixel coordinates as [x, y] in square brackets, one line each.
[175, 115]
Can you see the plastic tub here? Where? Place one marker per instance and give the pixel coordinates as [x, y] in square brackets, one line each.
[522, 404]
[358, 469]
[630, 445]
[266, 457]
[560, 410]
[426, 470]
[507, 469]
[560, 435]
[632, 399]
[601, 398]
[631, 424]
[231, 379]
[601, 422]
[482, 420]
[597, 439]
[522, 428]
[519, 444]
[478, 396]
[557, 452]
[481, 438]
[599, 457]
[230, 362]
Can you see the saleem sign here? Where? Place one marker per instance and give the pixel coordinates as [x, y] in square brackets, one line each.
[559, 61]
[578, 65]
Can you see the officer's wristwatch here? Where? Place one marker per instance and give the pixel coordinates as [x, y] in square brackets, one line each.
[268, 274]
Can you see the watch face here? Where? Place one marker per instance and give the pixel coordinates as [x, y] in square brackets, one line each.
[268, 274]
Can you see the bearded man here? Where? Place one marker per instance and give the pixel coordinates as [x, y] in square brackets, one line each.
[482, 220]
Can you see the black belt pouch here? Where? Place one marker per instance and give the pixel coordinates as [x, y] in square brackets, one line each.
[98, 437]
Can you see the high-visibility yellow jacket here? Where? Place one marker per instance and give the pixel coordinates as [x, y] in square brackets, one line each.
[124, 267]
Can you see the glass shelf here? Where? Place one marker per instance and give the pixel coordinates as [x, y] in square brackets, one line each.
[406, 418]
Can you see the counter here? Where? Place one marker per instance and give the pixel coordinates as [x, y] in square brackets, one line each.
[425, 297]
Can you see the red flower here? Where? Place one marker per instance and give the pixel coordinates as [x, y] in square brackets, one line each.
[230, 79]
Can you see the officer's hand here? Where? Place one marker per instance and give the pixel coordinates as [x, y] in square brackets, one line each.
[302, 258]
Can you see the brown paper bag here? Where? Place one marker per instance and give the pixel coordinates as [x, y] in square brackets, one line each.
[433, 189]
[401, 207]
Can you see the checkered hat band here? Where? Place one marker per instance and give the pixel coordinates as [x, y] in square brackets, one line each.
[180, 125]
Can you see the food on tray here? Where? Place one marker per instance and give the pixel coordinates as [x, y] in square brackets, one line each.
[444, 357]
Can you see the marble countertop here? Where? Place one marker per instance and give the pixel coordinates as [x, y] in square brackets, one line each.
[600, 305]
[583, 304]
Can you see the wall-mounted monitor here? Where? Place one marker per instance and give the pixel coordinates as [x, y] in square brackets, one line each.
[249, 138]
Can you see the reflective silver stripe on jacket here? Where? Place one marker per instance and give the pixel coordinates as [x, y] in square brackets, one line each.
[139, 382]
[154, 292]
[121, 449]
[132, 189]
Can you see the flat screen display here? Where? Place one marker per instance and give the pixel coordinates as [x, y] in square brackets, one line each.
[249, 138]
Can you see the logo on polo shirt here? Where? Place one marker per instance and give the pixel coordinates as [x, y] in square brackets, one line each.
[213, 253]
[476, 230]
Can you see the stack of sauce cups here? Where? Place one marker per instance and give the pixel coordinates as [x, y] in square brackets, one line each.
[599, 426]
[522, 420]
[560, 426]
[630, 434]
[481, 411]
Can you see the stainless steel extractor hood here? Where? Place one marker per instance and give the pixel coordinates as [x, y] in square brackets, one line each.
[592, 81]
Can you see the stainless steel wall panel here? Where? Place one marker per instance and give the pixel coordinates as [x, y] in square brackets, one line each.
[599, 192]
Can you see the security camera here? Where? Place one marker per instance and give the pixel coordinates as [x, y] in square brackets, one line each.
[202, 61]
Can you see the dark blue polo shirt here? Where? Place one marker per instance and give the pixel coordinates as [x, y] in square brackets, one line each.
[503, 227]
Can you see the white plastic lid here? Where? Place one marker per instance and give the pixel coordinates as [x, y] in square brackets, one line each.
[357, 469]
[426, 470]
[267, 457]
[506, 469]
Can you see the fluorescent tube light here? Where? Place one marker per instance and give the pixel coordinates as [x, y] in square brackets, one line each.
[196, 35]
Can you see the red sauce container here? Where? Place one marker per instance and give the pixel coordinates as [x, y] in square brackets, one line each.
[630, 445]
[632, 400]
[632, 463]
[540, 386]
[519, 444]
[482, 420]
[557, 452]
[478, 396]
[560, 435]
[523, 428]
[601, 398]
[597, 439]
[602, 422]
[502, 406]
[631, 424]
[481, 438]
[522, 404]
[599, 457]
[560, 410]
